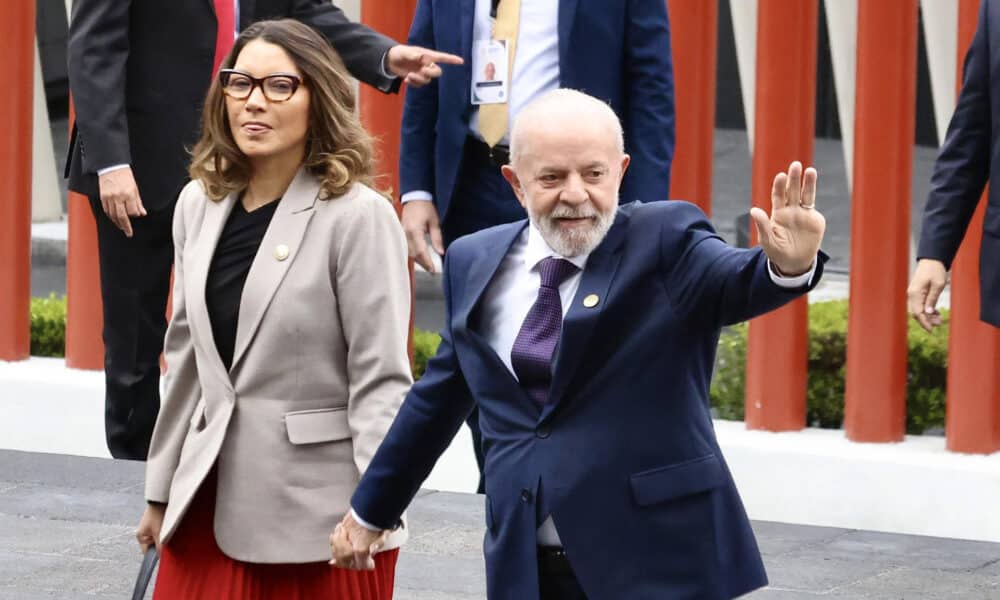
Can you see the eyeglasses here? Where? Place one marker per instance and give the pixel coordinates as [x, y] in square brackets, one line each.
[278, 87]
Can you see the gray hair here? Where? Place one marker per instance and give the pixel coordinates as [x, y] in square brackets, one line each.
[562, 102]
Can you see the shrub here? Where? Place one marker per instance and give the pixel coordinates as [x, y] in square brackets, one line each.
[926, 371]
[425, 345]
[48, 326]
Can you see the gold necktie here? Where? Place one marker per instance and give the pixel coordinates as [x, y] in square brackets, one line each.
[493, 118]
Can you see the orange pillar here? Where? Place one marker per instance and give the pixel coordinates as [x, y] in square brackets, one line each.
[784, 130]
[875, 390]
[17, 29]
[382, 114]
[84, 313]
[693, 28]
[973, 409]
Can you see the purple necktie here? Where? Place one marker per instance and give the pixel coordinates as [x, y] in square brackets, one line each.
[531, 355]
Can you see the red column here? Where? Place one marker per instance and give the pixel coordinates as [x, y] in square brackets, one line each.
[973, 409]
[694, 29]
[17, 29]
[875, 393]
[382, 114]
[84, 313]
[784, 126]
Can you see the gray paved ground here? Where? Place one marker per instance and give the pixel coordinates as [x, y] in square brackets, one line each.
[66, 523]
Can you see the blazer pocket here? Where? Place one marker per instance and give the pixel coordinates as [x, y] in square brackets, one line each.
[317, 426]
[677, 480]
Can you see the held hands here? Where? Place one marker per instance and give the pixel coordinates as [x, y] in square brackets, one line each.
[120, 198]
[419, 219]
[416, 65]
[148, 532]
[352, 545]
[928, 282]
[792, 234]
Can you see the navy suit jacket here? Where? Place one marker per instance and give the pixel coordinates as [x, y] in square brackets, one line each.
[624, 458]
[616, 51]
[968, 159]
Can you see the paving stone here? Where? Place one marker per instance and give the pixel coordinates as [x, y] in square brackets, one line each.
[780, 538]
[66, 532]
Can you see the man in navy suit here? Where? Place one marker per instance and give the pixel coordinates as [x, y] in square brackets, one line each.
[586, 335]
[968, 159]
[453, 146]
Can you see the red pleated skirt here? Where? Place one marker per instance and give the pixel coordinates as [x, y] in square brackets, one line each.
[192, 567]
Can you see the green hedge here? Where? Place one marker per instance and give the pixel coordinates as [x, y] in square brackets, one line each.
[926, 375]
[48, 326]
[925, 392]
[926, 371]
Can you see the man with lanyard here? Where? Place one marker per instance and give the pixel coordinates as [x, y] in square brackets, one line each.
[456, 130]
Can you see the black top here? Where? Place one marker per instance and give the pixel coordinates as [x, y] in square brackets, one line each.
[237, 247]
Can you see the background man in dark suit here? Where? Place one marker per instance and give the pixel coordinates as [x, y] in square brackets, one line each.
[452, 148]
[587, 336]
[138, 73]
[968, 159]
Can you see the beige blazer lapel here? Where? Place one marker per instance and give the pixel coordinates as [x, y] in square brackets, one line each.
[196, 265]
[276, 253]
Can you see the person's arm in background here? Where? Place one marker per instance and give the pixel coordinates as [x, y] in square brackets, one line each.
[97, 51]
[416, 155]
[371, 57]
[648, 117]
[960, 174]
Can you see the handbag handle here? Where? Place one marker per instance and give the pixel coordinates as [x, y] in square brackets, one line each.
[149, 560]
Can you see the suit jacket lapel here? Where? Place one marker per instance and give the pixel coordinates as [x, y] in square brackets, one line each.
[467, 15]
[484, 267]
[287, 228]
[216, 215]
[567, 14]
[579, 323]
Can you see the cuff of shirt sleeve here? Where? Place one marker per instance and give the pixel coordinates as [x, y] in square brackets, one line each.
[113, 168]
[384, 67]
[417, 195]
[791, 282]
[363, 523]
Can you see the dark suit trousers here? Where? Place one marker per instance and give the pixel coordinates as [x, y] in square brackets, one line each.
[482, 199]
[135, 282]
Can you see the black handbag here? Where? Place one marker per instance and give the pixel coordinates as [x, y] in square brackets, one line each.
[149, 560]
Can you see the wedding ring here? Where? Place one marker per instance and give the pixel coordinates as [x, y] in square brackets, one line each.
[807, 206]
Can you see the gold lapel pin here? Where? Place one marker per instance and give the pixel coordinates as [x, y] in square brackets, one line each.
[281, 252]
[591, 301]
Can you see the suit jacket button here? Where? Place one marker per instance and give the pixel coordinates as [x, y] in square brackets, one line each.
[526, 496]
[543, 431]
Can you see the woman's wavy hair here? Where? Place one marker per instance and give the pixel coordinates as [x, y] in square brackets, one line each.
[338, 149]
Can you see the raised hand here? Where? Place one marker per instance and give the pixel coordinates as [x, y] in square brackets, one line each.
[792, 234]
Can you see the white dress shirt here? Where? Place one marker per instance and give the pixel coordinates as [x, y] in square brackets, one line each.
[512, 292]
[536, 61]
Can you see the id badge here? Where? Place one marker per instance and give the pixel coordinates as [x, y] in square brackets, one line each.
[489, 72]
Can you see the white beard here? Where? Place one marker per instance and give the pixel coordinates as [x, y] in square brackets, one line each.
[574, 242]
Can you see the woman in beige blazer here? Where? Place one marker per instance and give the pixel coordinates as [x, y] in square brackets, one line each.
[286, 352]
